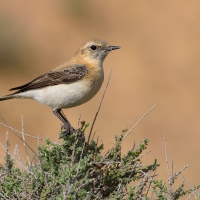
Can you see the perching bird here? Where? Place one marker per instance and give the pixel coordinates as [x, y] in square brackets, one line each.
[70, 84]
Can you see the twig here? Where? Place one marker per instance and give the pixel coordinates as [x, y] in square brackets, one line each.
[125, 128]
[151, 181]
[194, 192]
[178, 173]
[79, 120]
[166, 158]
[7, 152]
[93, 135]
[38, 141]
[7, 143]
[95, 117]
[15, 150]
[138, 122]
[19, 159]
[12, 129]
[133, 147]
[27, 157]
[168, 171]
[172, 173]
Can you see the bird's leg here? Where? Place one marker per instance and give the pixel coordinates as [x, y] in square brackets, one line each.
[68, 127]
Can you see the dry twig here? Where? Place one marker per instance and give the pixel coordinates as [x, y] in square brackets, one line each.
[95, 117]
[26, 151]
[168, 171]
[138, 122]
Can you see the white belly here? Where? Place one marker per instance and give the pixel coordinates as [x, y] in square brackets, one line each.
[64, 95]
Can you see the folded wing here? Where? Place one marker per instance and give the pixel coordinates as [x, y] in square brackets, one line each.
[69, 75]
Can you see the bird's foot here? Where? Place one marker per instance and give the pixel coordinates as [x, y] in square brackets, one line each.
[68, 131]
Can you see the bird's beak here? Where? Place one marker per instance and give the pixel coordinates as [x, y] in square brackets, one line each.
[110, 48]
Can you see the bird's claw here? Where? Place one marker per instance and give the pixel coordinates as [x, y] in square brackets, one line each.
[68, 131]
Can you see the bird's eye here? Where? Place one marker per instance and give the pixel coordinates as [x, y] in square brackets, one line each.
[93, 47]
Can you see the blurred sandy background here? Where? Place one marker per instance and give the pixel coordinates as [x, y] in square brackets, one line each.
[159, 63]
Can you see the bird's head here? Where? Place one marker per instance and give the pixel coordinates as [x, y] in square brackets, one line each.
[95, 50]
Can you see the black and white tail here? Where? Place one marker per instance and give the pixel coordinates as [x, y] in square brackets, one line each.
[6, 97]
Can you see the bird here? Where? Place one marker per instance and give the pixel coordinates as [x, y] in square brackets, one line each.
[70, 84]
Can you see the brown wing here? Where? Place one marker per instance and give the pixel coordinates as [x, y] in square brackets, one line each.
[74, 73]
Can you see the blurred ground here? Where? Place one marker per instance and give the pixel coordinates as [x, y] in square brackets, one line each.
[158, 63]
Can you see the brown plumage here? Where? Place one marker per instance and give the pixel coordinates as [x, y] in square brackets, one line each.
[51, 78]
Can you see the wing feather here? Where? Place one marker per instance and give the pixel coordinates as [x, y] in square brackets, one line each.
[69, 75]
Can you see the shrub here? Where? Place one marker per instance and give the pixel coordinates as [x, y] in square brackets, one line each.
[77, 169]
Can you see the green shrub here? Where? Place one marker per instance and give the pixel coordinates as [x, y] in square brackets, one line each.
[77, 169]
